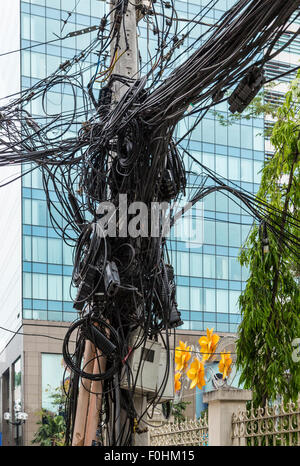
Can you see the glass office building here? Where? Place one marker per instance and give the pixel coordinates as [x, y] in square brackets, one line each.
[209, 278]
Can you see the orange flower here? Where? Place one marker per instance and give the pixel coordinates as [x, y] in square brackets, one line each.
[177, 381]
[208, 344]
[67, 385]
[196, 374]
[225, 364]
[182, 356]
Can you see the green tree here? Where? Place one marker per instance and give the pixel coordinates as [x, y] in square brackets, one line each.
[178, 410]
[51, 431]
[52, 426]
[270, 302]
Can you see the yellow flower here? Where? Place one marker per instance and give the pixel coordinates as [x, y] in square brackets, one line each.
[225, 364]
[196, 374]
[208, 344]
[182, 356]
[67, 385]
[177, 381]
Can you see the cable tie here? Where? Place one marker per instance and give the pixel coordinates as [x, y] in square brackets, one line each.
[127, 356]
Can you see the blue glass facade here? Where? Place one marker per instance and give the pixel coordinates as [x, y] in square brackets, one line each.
[47, 260]
[209, 277]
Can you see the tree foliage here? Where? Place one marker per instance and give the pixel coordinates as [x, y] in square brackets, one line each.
[178, 410]
[51, 431]
[52, 426]
[270, 302]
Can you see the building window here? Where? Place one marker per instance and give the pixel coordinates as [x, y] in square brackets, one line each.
[233, 302]
[54, 251]
[209, 266]
[183, 263]
[17, 394]
[209, 232]
[222, 267]
[234, 168]
[196, 265]
[52, 378]
[39, 212]
[183, 297]
[222, 301]
[39, 249]
[209, 300]
[222, 233]
[247, 170]
[37, 32]
[196, 298]
[234, 269]
[39, 286]
[55, 287]
[234, 235]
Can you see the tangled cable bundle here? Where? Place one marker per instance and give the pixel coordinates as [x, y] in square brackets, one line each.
[125, 283]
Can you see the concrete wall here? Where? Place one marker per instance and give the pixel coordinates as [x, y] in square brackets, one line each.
[222, 404]
[30, 347]
[32, 354]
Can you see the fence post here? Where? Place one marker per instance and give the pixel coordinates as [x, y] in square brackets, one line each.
[222, 403]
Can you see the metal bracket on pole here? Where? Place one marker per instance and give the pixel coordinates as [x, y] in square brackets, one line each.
[142, 7]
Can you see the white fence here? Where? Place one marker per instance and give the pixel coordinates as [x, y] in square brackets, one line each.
[187, 433]
[273, 425]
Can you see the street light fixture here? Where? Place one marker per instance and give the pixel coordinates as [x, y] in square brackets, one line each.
[20, 417]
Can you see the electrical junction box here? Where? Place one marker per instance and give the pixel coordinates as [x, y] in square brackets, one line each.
[143, 362]
[165, 379]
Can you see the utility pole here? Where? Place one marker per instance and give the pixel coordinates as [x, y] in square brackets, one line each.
[127, 66]
[127, 52]
[124, 62]
[83, 403]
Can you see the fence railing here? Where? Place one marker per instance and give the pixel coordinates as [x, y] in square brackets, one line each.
[187, 433]
[278, 424]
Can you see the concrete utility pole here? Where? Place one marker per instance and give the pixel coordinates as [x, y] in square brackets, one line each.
[124, 62]
[83, 403]
[127, 65]
[127, 58]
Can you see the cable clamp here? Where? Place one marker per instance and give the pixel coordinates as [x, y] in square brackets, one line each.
[127, 356]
